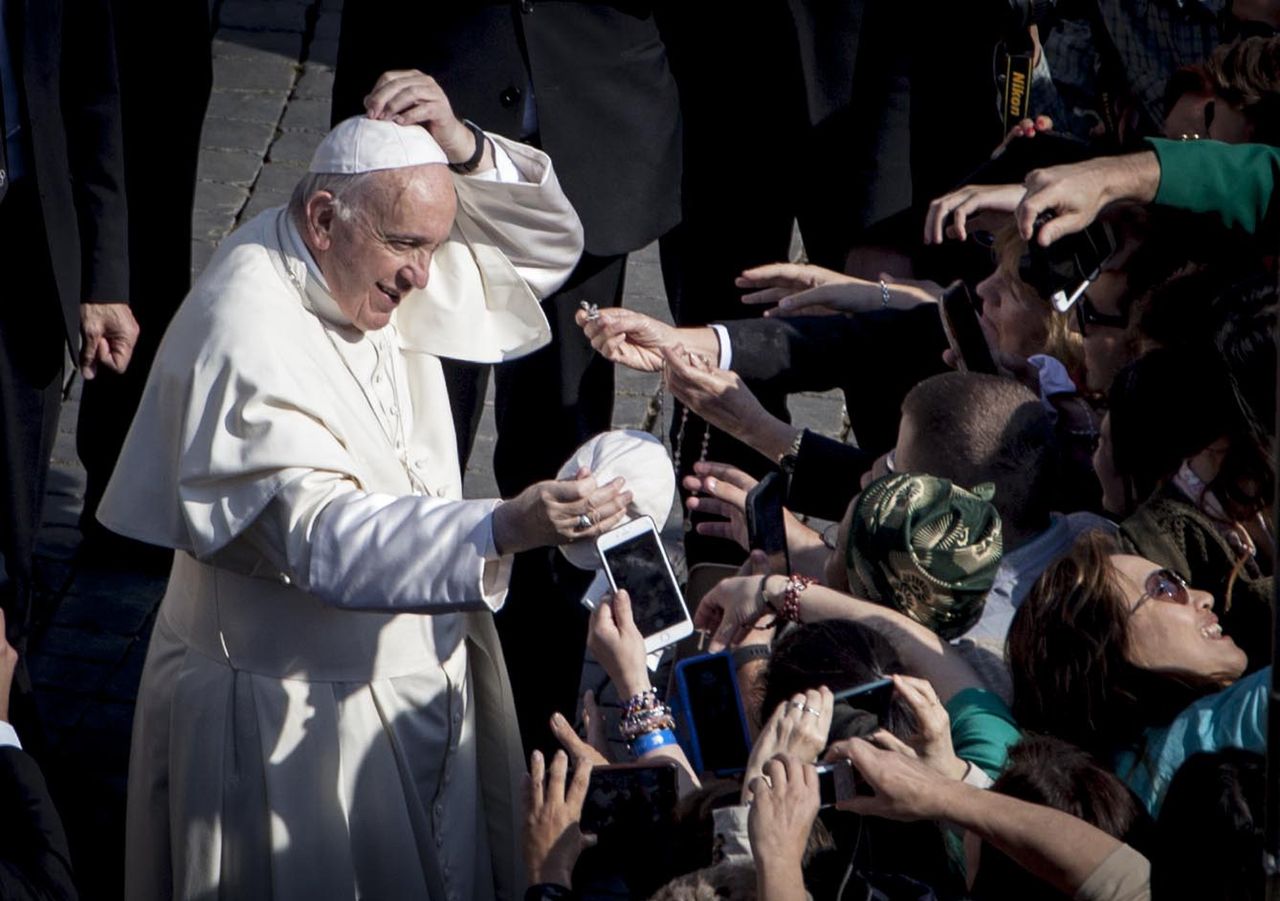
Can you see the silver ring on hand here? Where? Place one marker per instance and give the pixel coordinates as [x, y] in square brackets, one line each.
[884, 295]
[814, 710]
[585, 521]
[799, 705]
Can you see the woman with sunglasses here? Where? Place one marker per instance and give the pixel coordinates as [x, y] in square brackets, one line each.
[1121, 657]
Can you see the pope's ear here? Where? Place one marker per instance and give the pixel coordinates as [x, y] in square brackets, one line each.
[321, 213]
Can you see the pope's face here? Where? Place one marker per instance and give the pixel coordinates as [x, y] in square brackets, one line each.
[382, 248]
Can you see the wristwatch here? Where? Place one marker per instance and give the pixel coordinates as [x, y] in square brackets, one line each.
[787, 462]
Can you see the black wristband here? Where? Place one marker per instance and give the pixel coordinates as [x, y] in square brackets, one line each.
[744, 654]
[471, 164]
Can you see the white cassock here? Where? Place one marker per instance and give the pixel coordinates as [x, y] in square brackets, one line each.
[298, 734]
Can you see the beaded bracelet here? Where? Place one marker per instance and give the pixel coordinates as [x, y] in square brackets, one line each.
[790, 610]
[651, 741]
[646, 700]
[652, 722]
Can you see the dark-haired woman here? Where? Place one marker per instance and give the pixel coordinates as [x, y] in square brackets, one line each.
[1119, 656]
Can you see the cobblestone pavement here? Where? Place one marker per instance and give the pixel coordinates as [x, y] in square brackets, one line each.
[273, 72]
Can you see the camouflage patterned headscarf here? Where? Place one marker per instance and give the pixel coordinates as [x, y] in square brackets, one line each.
[926, 548]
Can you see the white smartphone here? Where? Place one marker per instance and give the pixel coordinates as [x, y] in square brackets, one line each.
[634, 559]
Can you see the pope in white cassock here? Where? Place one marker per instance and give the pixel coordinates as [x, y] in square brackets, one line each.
[324, 711]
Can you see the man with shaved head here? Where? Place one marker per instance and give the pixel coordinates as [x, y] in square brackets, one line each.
[324, 711]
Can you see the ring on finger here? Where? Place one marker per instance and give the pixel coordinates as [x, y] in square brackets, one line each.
[799, 705]
[585, 521]
[814, 710]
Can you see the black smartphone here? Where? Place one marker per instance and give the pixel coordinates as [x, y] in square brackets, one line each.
[1061, 272]
[716, 737]
[766, 528]
[873, 697]
[628, 802]
[837, 782]
[964, 333]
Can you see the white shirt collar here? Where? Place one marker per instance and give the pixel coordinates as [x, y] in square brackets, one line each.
[315, 289]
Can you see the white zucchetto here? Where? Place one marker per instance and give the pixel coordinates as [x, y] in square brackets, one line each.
[361, 144]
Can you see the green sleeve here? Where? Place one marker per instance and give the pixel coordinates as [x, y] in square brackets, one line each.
[982, 729]
[1236, 181]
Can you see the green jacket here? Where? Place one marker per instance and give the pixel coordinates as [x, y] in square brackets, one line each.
[1235, 181]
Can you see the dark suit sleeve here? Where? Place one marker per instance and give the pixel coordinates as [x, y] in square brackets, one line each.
[34, 860]
[91, 111]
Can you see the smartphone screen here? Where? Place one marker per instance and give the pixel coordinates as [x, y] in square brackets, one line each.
[629, 801]
[873, 697]
[964, 334]
[713, 708]
[836, 782]
[639, 566]
[766, 528]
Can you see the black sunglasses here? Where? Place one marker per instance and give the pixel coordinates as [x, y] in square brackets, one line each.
[1087, 314]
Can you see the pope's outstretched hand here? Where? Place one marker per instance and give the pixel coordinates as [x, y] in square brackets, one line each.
[557, 512]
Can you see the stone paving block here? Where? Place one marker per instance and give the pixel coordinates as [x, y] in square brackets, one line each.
[237, 134]
[212, 225]
[818, 412]
[61, 510]
[249, 44]
[260, 74]
[316, 82]
[261, 201]
[66, 480]
[307, 114]
[295, 147]
[279, 177]
[215, 195]
[629, 412]
[124, 614]
[84, 644]
[229, 166]
[201, 253]
[277, 15]
[254, 106]
[64, 446]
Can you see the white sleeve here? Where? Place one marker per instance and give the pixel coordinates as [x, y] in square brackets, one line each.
[504, 169]
[360, 549]
[9, 736]
[726, 348]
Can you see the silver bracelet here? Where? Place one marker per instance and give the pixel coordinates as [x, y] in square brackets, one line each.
[884, 295]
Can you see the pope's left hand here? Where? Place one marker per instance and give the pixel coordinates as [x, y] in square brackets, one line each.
[558, 512]
[108, 333]
[410, 97]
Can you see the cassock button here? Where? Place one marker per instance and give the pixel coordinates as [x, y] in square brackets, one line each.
[510, 97]
[285, 580]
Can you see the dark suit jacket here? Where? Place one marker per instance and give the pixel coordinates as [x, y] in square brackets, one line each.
[607, 109]
[71, 118]
[34, 860]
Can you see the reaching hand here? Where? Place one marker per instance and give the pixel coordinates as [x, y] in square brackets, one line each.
[731, 609]
[721, 490]
[617, 644]
[553, 838]
[932, 740]
[775, 281]
[905, 788]
[1076, 194]
[798, 728]
[108, 333]
[964, 202]
[1024, 129]
[717, 395]
[581, 751]
[550, 513]
[628, 338]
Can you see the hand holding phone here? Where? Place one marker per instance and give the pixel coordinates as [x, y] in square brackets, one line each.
[766, 525]
[964, 334]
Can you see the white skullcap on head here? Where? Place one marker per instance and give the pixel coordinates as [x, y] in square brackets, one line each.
[361, 144]
[642, 461]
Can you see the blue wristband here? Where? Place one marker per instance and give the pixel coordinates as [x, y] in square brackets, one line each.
[651, 741]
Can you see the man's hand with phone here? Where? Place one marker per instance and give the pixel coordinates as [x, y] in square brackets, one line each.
[553, 838]
[904, 787]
